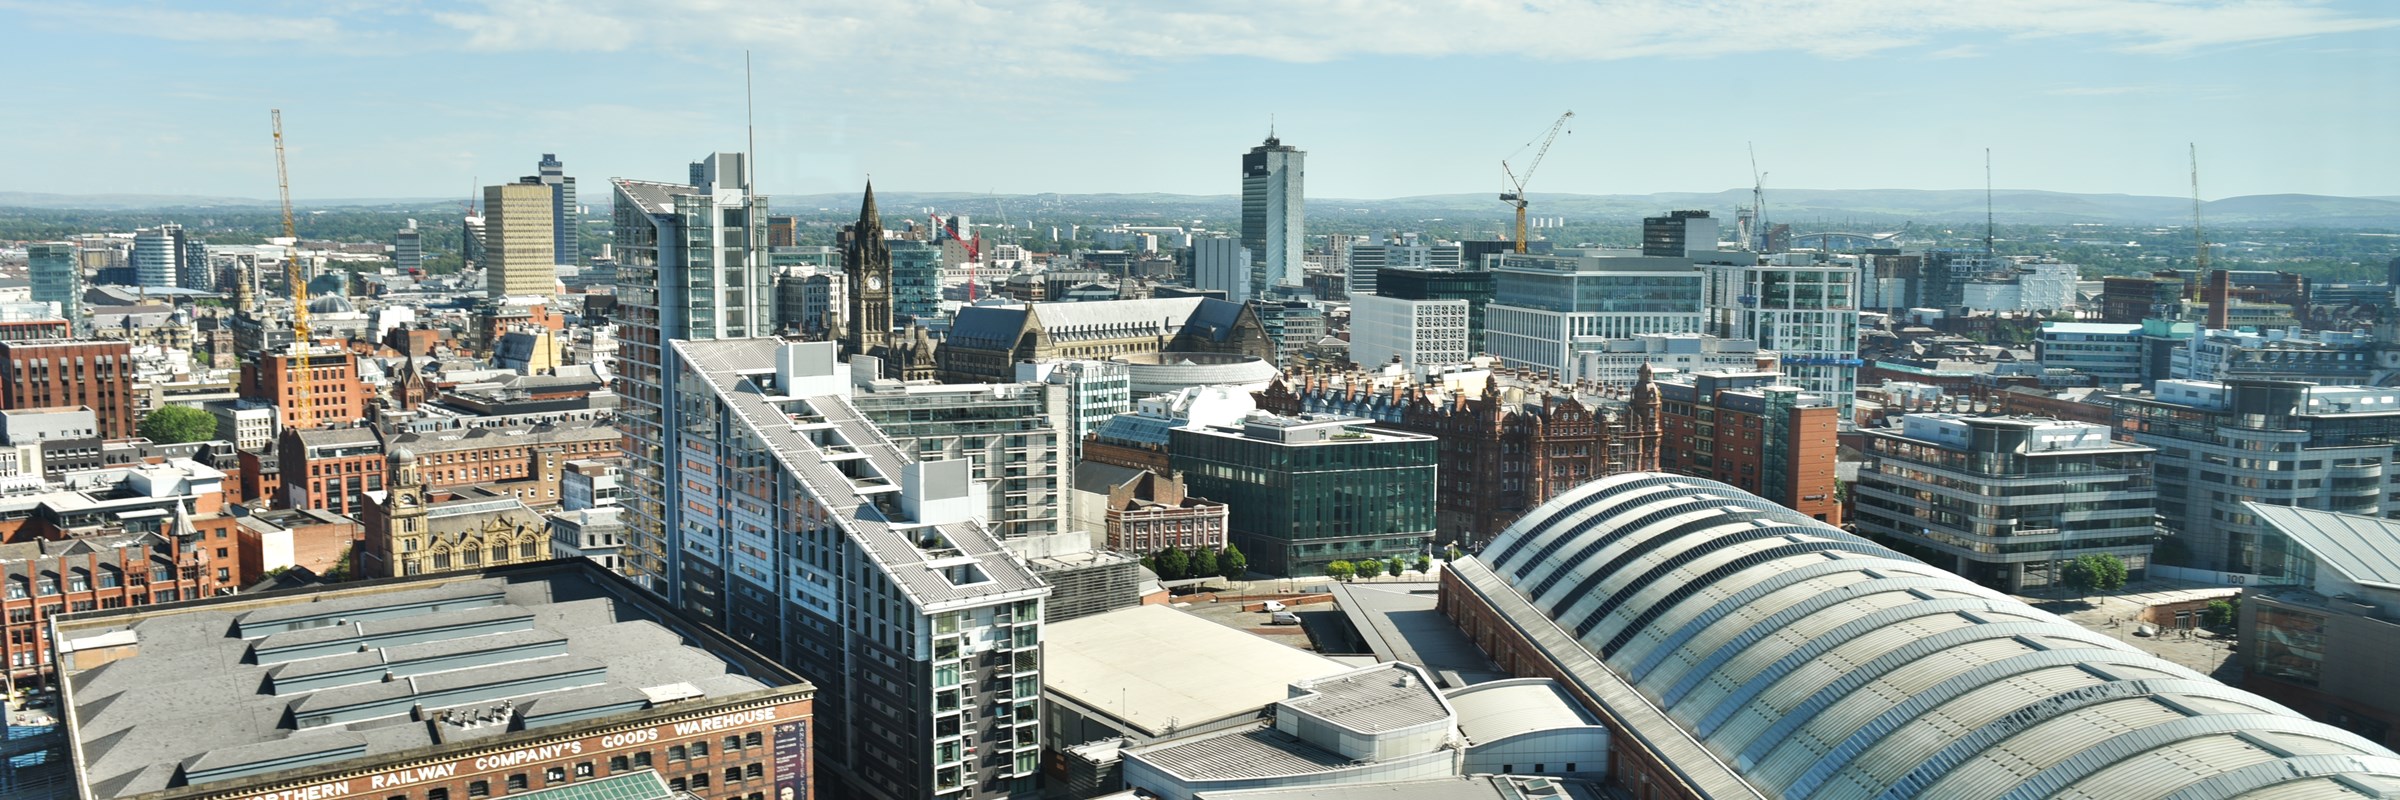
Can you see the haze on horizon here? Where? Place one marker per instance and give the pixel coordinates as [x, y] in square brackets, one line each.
[1079, 96]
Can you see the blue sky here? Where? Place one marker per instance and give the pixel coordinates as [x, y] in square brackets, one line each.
[402, 98]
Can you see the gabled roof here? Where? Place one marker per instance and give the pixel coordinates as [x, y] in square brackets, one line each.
[2364, 549]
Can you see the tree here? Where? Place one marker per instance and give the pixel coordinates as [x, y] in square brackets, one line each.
[1424, 565]
[1369, 568]
[1173, 565]
[1204, 562]
[1395, 566]
[178, 424]
[1233, 565]
[1450, 553]
[1340, 570]
[2221, 614]
[2098, 572]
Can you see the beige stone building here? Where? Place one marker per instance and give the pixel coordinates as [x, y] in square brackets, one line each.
[520, 257]
[987, 342]
[412, 532]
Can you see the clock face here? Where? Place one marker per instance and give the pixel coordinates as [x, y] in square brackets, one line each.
[874, 282]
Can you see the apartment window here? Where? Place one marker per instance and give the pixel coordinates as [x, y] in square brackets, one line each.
[733, 743]
[700, 781]
[699, 749]
[517, 783]
[751, 740]
[754, 771]
[479, 789]
[437, 794]
[49, 584]
[583, 770]
[80, 581]
[733, 774]
[618, 764]
[553, 775]
[677, 753]
[642, 759]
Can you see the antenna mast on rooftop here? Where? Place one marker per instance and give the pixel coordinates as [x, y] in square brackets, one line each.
[2199, 238]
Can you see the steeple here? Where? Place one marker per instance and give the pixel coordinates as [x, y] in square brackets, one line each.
[868, 219]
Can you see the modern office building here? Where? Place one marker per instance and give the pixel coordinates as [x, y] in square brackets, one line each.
[1804, 311]
[1618, 363]
[1756, 432]
[1308, 491]
[1416, 334]
[2322, 639]
[1738, 650]
[1547, 309]
[161, 256]
[1679, 234]
[1274, 180]
[803, 531]
[2130, 299]
[916, 283]
[686, 270]
[1471, 283]
[408, 250]
[2110, 353]
[520, 259]
[1094, 391]
[57, 277]
[1367, 261]
[566, 218]
[542, 680]
[470, 246]
[1221, 263]
[2333, 358]
[2003, 501]
[1014, 436]
[2285, 443]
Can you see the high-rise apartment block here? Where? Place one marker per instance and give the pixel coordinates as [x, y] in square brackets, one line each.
[566, 218]
[687, 268]
[1366, 261]
[2005, 501]
[58, 278]
[1804, 311]
[1273, 226]
[167, 257]
[519, 242]
[1013, 436]
[1546, 309]
[2286, 443]
[803, 531]
[1221, 263]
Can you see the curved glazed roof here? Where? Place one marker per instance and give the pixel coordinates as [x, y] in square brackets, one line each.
[1821, 665]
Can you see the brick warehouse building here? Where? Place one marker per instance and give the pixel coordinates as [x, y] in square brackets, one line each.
[336, 396]
[1503, 452]
[1752, 430]
[530, 458]
[456, 687]
[66, 372]
[48, 577]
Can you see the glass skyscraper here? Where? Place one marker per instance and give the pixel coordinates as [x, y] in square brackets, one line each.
[1273, 180]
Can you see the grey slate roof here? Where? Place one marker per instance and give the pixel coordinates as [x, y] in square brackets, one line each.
[996, 327]
[192, 696]
[2365, 549]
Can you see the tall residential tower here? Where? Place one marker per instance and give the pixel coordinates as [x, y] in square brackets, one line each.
[1272, 225]
[518, 240]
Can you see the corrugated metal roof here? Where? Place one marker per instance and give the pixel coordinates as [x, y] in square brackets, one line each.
[1772, 655]
[2364, 549]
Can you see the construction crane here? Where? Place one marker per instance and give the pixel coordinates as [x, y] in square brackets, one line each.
[1516, 183]
[302, 385]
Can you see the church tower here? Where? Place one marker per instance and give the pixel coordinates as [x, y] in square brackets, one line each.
[1643, 422]
[867, 265]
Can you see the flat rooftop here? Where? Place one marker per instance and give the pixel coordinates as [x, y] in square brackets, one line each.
[237, 687]
[1398, 622]
[1149, 667]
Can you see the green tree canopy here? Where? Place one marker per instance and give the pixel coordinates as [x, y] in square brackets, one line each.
[178, 424]
[2094, 573]
[1395, 566]
[1233, 565]
[1340, 570]
[1369, 568]
[1424, 565]
[1173, 565]
[2221, 614]
[1204, 562]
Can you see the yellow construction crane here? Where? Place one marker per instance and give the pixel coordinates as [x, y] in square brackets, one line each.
[1517, 183]
[301, 375]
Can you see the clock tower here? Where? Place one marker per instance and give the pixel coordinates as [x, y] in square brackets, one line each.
[867, 265]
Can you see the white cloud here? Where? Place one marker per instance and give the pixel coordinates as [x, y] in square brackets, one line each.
[985, 40]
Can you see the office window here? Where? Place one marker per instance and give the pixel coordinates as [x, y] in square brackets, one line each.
[553, 775]
[517, 782]
[479, 789]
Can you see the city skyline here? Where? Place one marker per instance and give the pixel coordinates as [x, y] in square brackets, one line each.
[402, 102]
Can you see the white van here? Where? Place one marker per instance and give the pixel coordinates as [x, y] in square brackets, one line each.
[1272, 606]
[1282, 618]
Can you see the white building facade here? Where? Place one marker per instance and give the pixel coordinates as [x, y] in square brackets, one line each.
[1548, 308]
[1417, 334]
[1221, 262]
[1806, 312]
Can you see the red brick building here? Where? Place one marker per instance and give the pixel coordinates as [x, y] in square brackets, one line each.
[1505, 451]
[34, 329]
[45, 578]
[336, 395]
[67, 372]
[331, 469]
[525, 461]
[312, 539]
[1149, 512]
[1749, 430]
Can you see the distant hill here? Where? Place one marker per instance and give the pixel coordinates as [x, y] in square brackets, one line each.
[1812, 208]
